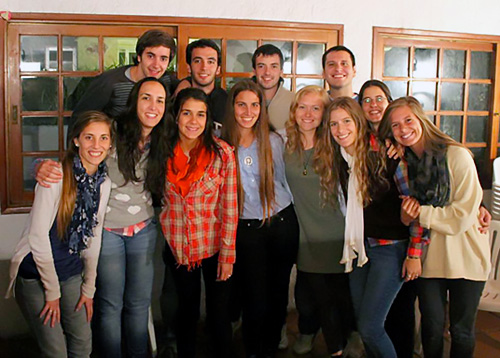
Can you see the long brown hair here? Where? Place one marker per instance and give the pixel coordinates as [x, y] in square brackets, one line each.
[434, 139]
[68, 195]
[261, 131]
[335, 168]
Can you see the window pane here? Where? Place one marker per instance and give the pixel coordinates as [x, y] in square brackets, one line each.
[119, 51]
[287, 83]
[397, 88]
[480, 65]
[39, 93]
[476, 128]
[425, 63]
[396, 61]
[38, 53]
[452, 125]
[425, 92]
[479, 97]
[40, 134]
[432, 118]
[454, 64]
[286, 49]
[80, 53]
[74, 88]
[309, 58]
[452, 96]
[302, 82]
[239, 55]
[65, 129]
[479, 159]
[231, 81]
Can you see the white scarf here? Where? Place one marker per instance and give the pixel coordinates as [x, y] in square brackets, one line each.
[354, 223]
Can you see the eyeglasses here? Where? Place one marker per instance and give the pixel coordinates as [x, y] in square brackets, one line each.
[378, 99]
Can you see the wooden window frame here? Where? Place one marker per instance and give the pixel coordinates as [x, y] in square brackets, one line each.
[409, 37]
[333, 31]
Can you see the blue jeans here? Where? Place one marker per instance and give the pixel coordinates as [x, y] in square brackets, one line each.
[70, 338]
[373, 288]
[124, 286]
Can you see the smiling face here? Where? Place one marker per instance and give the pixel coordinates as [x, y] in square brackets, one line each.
[343, 129]
[407, 129]
[150, 105]
[246, 109]
[191, 120]
[203, 67]
[93, 144]
[374, 103]
[153, 61]
[339, 70]
[309, 112]
[268, 71]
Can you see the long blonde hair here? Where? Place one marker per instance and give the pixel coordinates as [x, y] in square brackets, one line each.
[320, 158]
[261, 131]
[334, 168]
[434, 139]
[68, 194]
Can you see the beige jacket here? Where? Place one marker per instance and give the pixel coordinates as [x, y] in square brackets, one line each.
[457, 249]
[279, 108]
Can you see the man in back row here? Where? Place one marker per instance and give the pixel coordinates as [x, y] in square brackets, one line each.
[267, 63]
[109, 91]
[339, 69]
[203, 58]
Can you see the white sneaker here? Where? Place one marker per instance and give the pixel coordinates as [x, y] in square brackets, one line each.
[303, 344]
[284, 338]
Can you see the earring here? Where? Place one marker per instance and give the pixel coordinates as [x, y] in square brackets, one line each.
[77, 145]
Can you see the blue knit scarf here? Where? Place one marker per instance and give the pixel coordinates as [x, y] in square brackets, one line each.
[84, 219]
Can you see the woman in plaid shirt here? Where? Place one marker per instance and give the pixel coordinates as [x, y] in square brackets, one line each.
[199, 220]
[268, 231]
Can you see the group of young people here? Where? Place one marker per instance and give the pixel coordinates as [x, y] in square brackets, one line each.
[371, 201]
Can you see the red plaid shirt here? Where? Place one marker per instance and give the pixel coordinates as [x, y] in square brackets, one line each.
[204, 222]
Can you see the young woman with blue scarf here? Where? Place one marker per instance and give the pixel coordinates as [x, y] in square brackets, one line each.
[53, 270]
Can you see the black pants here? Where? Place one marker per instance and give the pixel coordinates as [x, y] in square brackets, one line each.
[264, 258]
[400, 322]
[326, 299]
[188, 284]
[464, 298]
[169, 301]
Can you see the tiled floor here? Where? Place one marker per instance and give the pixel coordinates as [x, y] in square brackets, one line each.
[487, 341]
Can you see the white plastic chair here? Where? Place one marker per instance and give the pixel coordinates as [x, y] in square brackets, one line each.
[490, 299]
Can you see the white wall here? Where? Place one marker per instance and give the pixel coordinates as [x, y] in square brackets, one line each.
[358, 18]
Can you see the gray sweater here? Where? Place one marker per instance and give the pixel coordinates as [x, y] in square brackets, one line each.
[130, 203]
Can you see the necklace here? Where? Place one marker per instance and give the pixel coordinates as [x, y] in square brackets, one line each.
[306, 163]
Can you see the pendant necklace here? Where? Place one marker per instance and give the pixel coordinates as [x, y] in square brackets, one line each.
[306, 163]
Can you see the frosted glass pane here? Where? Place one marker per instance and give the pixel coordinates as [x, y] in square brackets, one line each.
[396, 61]
[309, 58]
[239, 55]
[425, 63]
